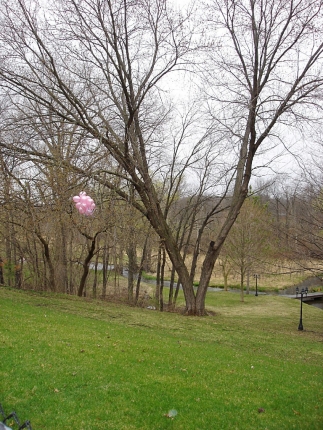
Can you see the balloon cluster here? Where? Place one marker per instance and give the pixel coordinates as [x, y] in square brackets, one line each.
[84, 204]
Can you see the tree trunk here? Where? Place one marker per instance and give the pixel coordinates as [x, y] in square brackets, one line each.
[141, 268]
[1, 272]
[8, 247]
[86, 265]
[178, 286]
[225, 280]
[70, 271]
[242, 285]
[157, 290]
[207, 269]
[132, 265]
[138, 284]
[171, 289]
[18, 277]
[64, 275]
[148, 251]
[105, 263]
[52, 280]
[161, 227]
[95, 280]
[162, 274]
[248, 282]
[37, 278]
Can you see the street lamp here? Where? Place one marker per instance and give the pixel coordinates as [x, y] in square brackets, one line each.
[300, 325]
[256, 276]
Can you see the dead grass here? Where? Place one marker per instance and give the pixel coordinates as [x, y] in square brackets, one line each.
[275, 276]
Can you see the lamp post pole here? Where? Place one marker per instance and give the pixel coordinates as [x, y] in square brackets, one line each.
[256, 276]
[300, 325]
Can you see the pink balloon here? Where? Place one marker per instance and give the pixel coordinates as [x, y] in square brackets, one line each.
[84, 204]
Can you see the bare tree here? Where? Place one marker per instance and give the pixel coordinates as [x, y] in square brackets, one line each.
[99, 65]
[266, 73]
[248, 244]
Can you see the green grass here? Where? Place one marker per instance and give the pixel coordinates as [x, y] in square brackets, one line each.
[70, 363]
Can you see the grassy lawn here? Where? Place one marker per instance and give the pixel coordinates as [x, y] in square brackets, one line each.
[70, 363]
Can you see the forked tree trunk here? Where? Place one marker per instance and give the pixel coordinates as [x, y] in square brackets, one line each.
[159, 224]
[207, 269]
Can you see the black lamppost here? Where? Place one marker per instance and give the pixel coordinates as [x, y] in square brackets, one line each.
[300, 325]
[256, 276]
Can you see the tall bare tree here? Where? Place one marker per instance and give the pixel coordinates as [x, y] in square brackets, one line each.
[99, 65]
[266, 70]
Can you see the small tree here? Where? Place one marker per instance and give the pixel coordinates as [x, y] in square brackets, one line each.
[248, 243]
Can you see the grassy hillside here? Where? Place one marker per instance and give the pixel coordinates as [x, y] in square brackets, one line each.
[70, 363]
